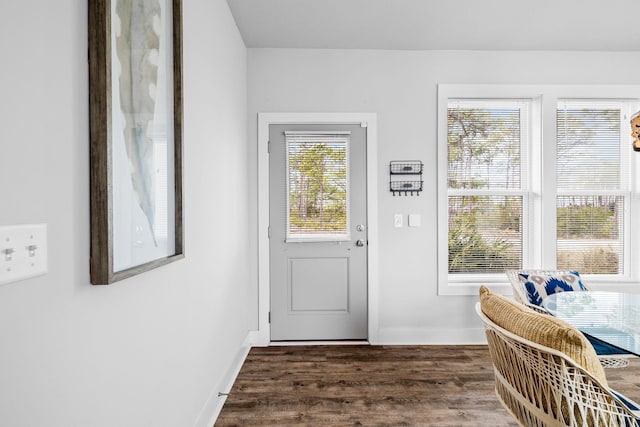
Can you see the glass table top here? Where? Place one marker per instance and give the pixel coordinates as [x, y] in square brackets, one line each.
[612, 317]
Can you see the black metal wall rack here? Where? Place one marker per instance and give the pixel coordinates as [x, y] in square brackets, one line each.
[405, 176]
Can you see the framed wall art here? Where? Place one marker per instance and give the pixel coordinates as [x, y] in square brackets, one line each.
[135, 109]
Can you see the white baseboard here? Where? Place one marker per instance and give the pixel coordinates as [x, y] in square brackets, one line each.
[430, 336]
[258, 338]
[398, 336]
[215, 402]
[303, 343]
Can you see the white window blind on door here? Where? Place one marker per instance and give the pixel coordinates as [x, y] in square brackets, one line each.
[317, 186]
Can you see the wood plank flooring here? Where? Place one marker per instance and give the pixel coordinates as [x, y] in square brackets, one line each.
[364, 385]
[376, 386]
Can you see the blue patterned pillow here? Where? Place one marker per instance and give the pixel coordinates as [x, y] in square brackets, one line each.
[537, 286]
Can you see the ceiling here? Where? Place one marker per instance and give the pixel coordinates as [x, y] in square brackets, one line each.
[582, 25]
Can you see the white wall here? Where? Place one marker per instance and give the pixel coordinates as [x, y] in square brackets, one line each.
[401, 87]
[153, 350]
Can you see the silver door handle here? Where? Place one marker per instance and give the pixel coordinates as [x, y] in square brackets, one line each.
[359, 242]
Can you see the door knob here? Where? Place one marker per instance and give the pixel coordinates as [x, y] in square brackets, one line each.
[359, 242]
[359, 227]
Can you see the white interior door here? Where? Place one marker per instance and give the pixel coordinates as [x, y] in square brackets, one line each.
[318, 232]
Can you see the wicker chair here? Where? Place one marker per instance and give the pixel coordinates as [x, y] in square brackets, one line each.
[610, 357]
[541, 386]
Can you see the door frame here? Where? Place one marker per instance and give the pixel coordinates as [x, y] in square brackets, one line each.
[262, 337]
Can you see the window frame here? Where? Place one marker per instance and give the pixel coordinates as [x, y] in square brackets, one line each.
[540, 250]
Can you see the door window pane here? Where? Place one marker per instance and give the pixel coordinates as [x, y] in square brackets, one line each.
[317, 187]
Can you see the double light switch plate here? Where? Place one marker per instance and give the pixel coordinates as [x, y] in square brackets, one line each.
[23, 252]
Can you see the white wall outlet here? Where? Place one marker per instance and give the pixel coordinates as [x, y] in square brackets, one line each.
[23, 252]
[397, 220]
[415, 220]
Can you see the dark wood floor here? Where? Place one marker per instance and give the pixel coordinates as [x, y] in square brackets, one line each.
[376, 386]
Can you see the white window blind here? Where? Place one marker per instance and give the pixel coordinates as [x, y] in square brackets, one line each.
[592, 185]
[487, 191]
[317, 186]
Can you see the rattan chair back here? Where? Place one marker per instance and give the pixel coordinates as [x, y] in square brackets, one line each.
[541, 386]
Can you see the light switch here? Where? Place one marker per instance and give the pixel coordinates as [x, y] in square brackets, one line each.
[415, 220]
[23, 252]
[397, 220]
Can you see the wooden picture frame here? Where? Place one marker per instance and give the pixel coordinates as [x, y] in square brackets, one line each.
[135, 109]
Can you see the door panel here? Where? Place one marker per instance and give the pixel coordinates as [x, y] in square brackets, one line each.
[318, 273]
[319, 284]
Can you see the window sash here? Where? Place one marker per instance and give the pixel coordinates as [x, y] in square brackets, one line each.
[485, 234]
[589, 147]
[590, 234]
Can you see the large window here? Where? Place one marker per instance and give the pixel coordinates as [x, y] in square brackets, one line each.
[501, 206]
